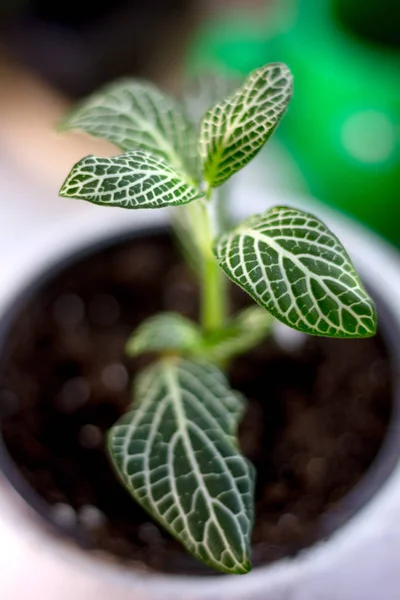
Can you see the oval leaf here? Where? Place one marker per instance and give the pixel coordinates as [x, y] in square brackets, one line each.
[233, 131]
[176, 453]
[297, 269]
[134, 114]
[164, 332]
[131, 180]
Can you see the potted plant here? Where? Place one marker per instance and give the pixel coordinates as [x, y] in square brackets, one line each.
[175, 449]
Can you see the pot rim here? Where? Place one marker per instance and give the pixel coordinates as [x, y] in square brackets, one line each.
[365, 254]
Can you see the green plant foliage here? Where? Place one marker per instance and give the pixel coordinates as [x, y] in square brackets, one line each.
[165, 332]
[175, 449]
[170, 333]
[177, 454]
[233, 131]
[131, 180]
[134, 114]
[247, 329]
[292, 265]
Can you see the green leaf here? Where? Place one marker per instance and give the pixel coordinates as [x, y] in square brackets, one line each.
[131, 180]
[176, 453]
[136, 115]
[297, 269]
[241, 334]
[233, 131]
[164, 332]
[173, 333]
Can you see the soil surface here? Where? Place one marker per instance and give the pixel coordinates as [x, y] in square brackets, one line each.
[317, 412]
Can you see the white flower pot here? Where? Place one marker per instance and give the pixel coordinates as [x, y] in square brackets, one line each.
[359, 562]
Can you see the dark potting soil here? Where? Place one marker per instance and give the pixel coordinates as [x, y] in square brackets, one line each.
[316, 418]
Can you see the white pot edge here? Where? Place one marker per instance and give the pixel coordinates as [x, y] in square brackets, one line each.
[380, 266]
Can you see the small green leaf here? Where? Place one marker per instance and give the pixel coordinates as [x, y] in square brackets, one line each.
[292, 265]
[131, 180]
[233, 131]
[241, 334]
[164, 332]
[136, 115]
[176, 453]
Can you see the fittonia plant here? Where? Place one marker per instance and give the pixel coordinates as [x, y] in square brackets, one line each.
[176, 449]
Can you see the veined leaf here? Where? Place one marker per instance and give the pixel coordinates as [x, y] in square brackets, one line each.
[297, 269]
[233, 131]
[164, 332]
[133, 114]
[131, 180]
[242, 333]
[176, 453]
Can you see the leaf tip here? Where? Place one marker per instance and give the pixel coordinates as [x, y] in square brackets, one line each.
[244, 568]
[368, 320]
[62, 127]
[371, 330]
[63, 190]
[131, 347]
[66, 123]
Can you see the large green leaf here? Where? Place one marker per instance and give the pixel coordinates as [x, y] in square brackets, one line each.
[135, 114]
[233, 131]
[131, 180]
[293, 266]
[164, 332]
[176, 453]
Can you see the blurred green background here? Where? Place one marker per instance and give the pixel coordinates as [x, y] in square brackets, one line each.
[343, 127]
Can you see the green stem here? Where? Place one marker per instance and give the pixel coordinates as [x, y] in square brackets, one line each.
[213, 304]
[213, 281]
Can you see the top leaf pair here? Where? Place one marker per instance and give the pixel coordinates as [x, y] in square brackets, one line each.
[288, 261]
[164, 162]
